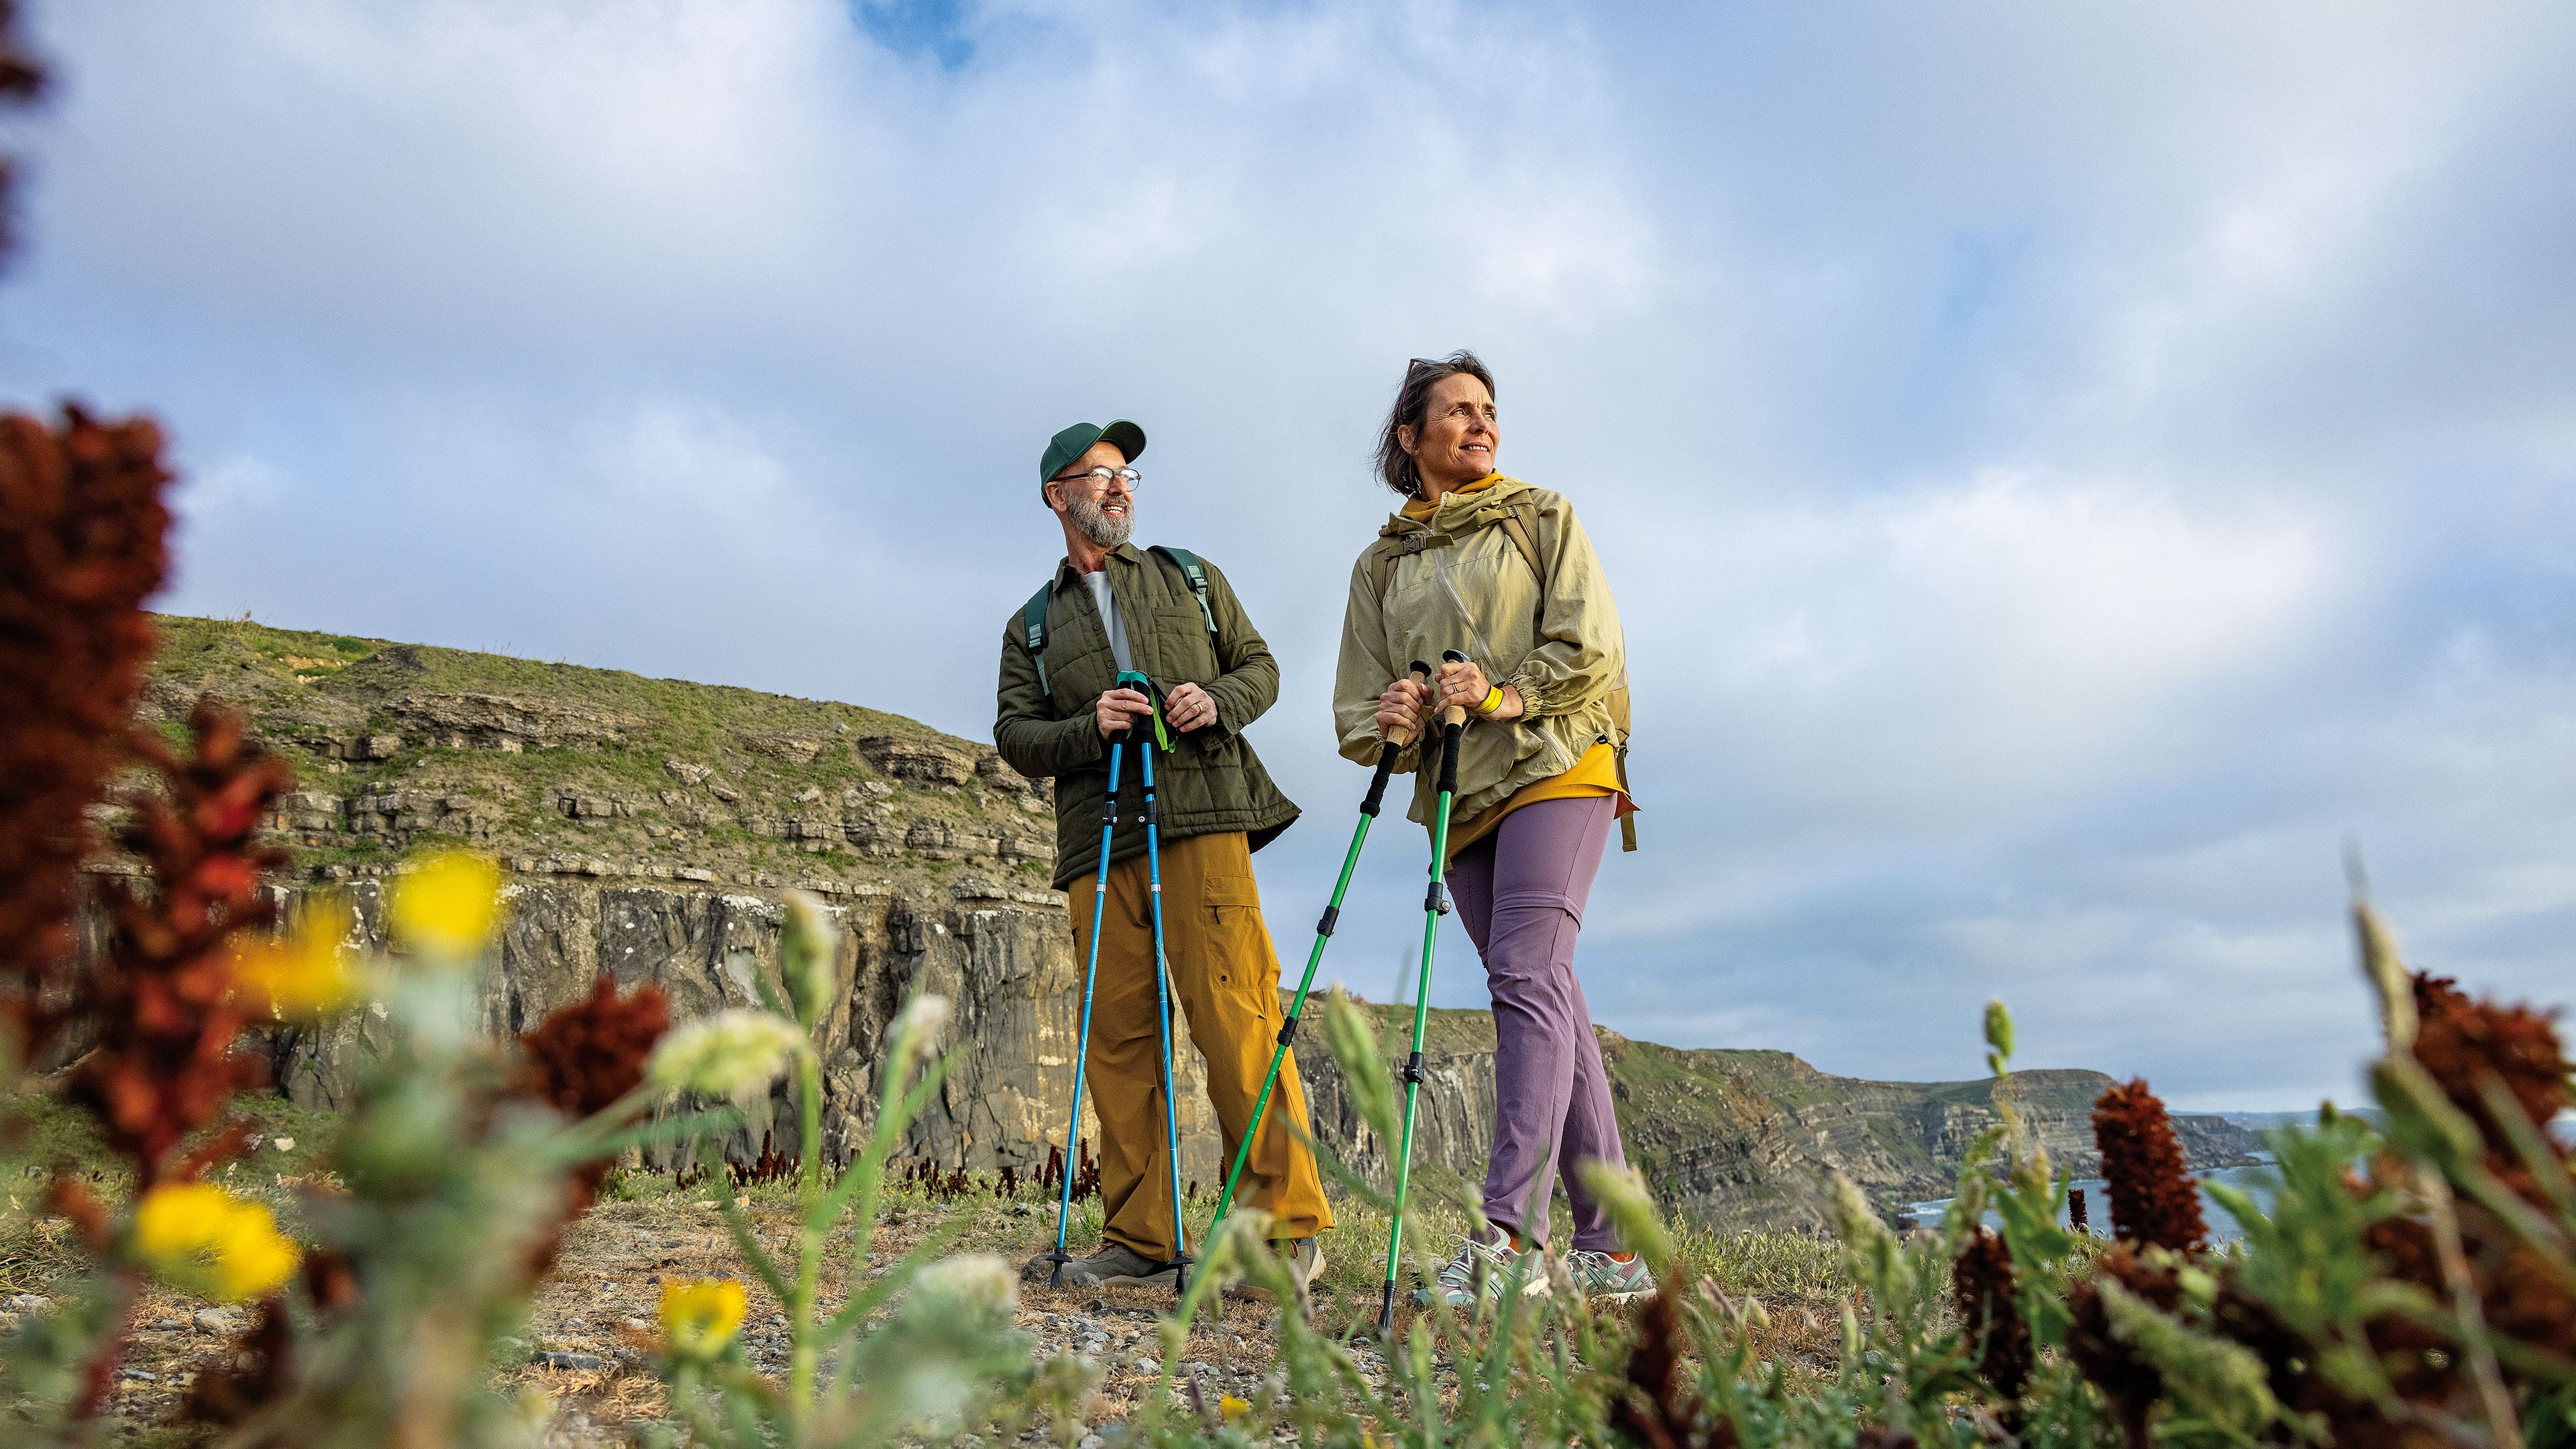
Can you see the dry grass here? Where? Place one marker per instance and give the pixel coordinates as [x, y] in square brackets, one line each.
[602, 1302]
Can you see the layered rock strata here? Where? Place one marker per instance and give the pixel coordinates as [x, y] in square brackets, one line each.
[650, 827]
[1725, 1138]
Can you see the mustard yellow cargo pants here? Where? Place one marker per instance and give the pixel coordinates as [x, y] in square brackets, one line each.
[1225, 979]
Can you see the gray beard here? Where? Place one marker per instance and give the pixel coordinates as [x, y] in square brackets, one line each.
[1097, 525]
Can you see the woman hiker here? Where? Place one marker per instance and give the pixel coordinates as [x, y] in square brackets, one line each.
[1501, 571]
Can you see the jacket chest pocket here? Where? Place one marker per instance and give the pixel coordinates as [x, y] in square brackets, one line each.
[1177, 644]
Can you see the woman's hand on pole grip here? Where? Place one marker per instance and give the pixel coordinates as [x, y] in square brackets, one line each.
[1465, 686]
[1403, 706]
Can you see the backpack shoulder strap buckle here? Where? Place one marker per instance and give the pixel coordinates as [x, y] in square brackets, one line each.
[1196, 573]
[1033, 629]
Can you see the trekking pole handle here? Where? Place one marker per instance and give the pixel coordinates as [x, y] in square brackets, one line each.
[1453, 723]
[1397, 737]
[1455, 714]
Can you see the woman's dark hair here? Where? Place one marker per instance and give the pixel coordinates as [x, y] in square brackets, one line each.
[1394, 465]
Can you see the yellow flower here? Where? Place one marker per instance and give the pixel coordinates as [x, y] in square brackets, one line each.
[699, 1318]
[1233, 1408]
[203, 1240]
[447, 904]
[305, 976]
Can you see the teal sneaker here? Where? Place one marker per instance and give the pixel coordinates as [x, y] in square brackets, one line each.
[1599, 1275]
[1492, 1258]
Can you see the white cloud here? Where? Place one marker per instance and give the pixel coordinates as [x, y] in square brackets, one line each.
[228, 484]
[1975, 648]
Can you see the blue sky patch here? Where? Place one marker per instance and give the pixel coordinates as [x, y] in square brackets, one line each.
[934, 28]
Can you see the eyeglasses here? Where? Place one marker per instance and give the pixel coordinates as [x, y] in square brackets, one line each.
[1103, 477]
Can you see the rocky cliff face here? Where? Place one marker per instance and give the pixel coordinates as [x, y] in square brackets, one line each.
[1005, 960]
[651, 825]
[1727, 1138]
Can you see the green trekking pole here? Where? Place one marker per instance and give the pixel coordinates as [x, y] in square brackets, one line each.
[1396, 740]
[1435, 904]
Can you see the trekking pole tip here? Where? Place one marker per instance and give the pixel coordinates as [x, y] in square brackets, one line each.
[1386, 1312]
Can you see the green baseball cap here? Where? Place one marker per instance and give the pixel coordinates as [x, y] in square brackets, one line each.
[1070, 444]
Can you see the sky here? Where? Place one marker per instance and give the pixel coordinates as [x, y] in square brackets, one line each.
[2066, 471]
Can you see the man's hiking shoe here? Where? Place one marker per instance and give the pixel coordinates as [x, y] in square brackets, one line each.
[1305, 1260]
[1115, 1263]
[1599, 1275]
[1497, 1261]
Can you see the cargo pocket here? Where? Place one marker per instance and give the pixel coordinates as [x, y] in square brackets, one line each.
[1238, 945]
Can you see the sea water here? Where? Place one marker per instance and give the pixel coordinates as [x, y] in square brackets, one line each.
[2260, 1183]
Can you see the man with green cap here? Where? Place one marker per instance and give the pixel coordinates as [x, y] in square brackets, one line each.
[1167, 614]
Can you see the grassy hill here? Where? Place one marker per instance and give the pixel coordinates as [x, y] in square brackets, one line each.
[402, 744]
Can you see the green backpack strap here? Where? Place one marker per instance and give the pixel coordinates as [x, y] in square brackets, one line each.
[1194, 571]
[1520, 522]
[1033, 629]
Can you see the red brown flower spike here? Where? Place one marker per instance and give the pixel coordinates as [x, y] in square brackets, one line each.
[2464, 1044]
[2153, 1199]
[1658, 1410]
[21, 81]
[81, 530]
[1987, 1292]
[581, 1059]
[2131, 1383]
[163, 1001]
[590, 1053]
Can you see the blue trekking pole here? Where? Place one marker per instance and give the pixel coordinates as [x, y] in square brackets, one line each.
[1180, 1263]
[1435, 904]
[1082, 1043]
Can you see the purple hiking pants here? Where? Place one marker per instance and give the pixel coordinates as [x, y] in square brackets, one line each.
[1520, 893]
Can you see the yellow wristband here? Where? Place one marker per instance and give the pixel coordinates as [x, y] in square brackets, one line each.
[1493, 701]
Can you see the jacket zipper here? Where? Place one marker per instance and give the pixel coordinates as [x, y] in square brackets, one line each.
[1440, 569]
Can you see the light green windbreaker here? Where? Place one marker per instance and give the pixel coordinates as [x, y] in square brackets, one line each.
[1465, 586]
